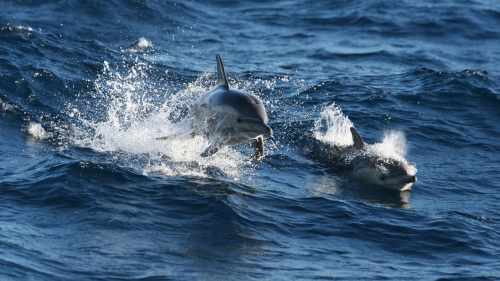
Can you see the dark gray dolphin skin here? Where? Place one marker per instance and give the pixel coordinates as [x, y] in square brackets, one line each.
[363, 164]
[228, 116]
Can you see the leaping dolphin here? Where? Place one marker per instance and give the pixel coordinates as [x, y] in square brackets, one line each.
[227, 116]
[364, 164]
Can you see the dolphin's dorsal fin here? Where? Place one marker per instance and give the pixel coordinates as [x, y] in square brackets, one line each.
[221, 73]
[356, 138]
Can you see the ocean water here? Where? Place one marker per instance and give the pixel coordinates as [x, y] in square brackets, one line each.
[88, 193]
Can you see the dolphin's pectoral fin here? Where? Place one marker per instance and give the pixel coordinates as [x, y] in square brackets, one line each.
[356, 138]
[191, 133]
[258, 146]
[213, 148]
[169, 137]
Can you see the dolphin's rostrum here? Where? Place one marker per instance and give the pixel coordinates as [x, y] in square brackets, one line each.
[228, 116]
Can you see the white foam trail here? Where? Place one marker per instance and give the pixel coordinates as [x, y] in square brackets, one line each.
[138, 110]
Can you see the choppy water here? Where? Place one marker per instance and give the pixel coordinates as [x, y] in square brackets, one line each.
[86, 192]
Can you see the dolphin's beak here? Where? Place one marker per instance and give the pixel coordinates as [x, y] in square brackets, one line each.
[403, 179]
[269, 131]
[266, 130]
[408, 179]
[257, 125]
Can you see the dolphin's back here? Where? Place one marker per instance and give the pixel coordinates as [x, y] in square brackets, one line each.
[248, 106]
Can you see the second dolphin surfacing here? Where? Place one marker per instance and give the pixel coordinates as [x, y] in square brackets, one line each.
[364, 164]
[228, 116]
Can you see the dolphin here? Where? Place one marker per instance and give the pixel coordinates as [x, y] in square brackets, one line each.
[228, 116]
[364, 164]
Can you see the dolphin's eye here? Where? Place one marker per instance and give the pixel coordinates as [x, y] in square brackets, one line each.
[238, 119]
[382, 178]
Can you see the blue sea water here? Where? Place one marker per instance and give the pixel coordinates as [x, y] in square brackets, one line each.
[88, 193]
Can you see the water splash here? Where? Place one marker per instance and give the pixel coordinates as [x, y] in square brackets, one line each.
[130, 110]
[14, 27]
[141, 45]
[38, 132]
[333, 127]
[392, 146]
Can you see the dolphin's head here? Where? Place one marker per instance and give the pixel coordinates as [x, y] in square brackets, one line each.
[249, 113]
[394, 174]
[254, 125]
[389, 173]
